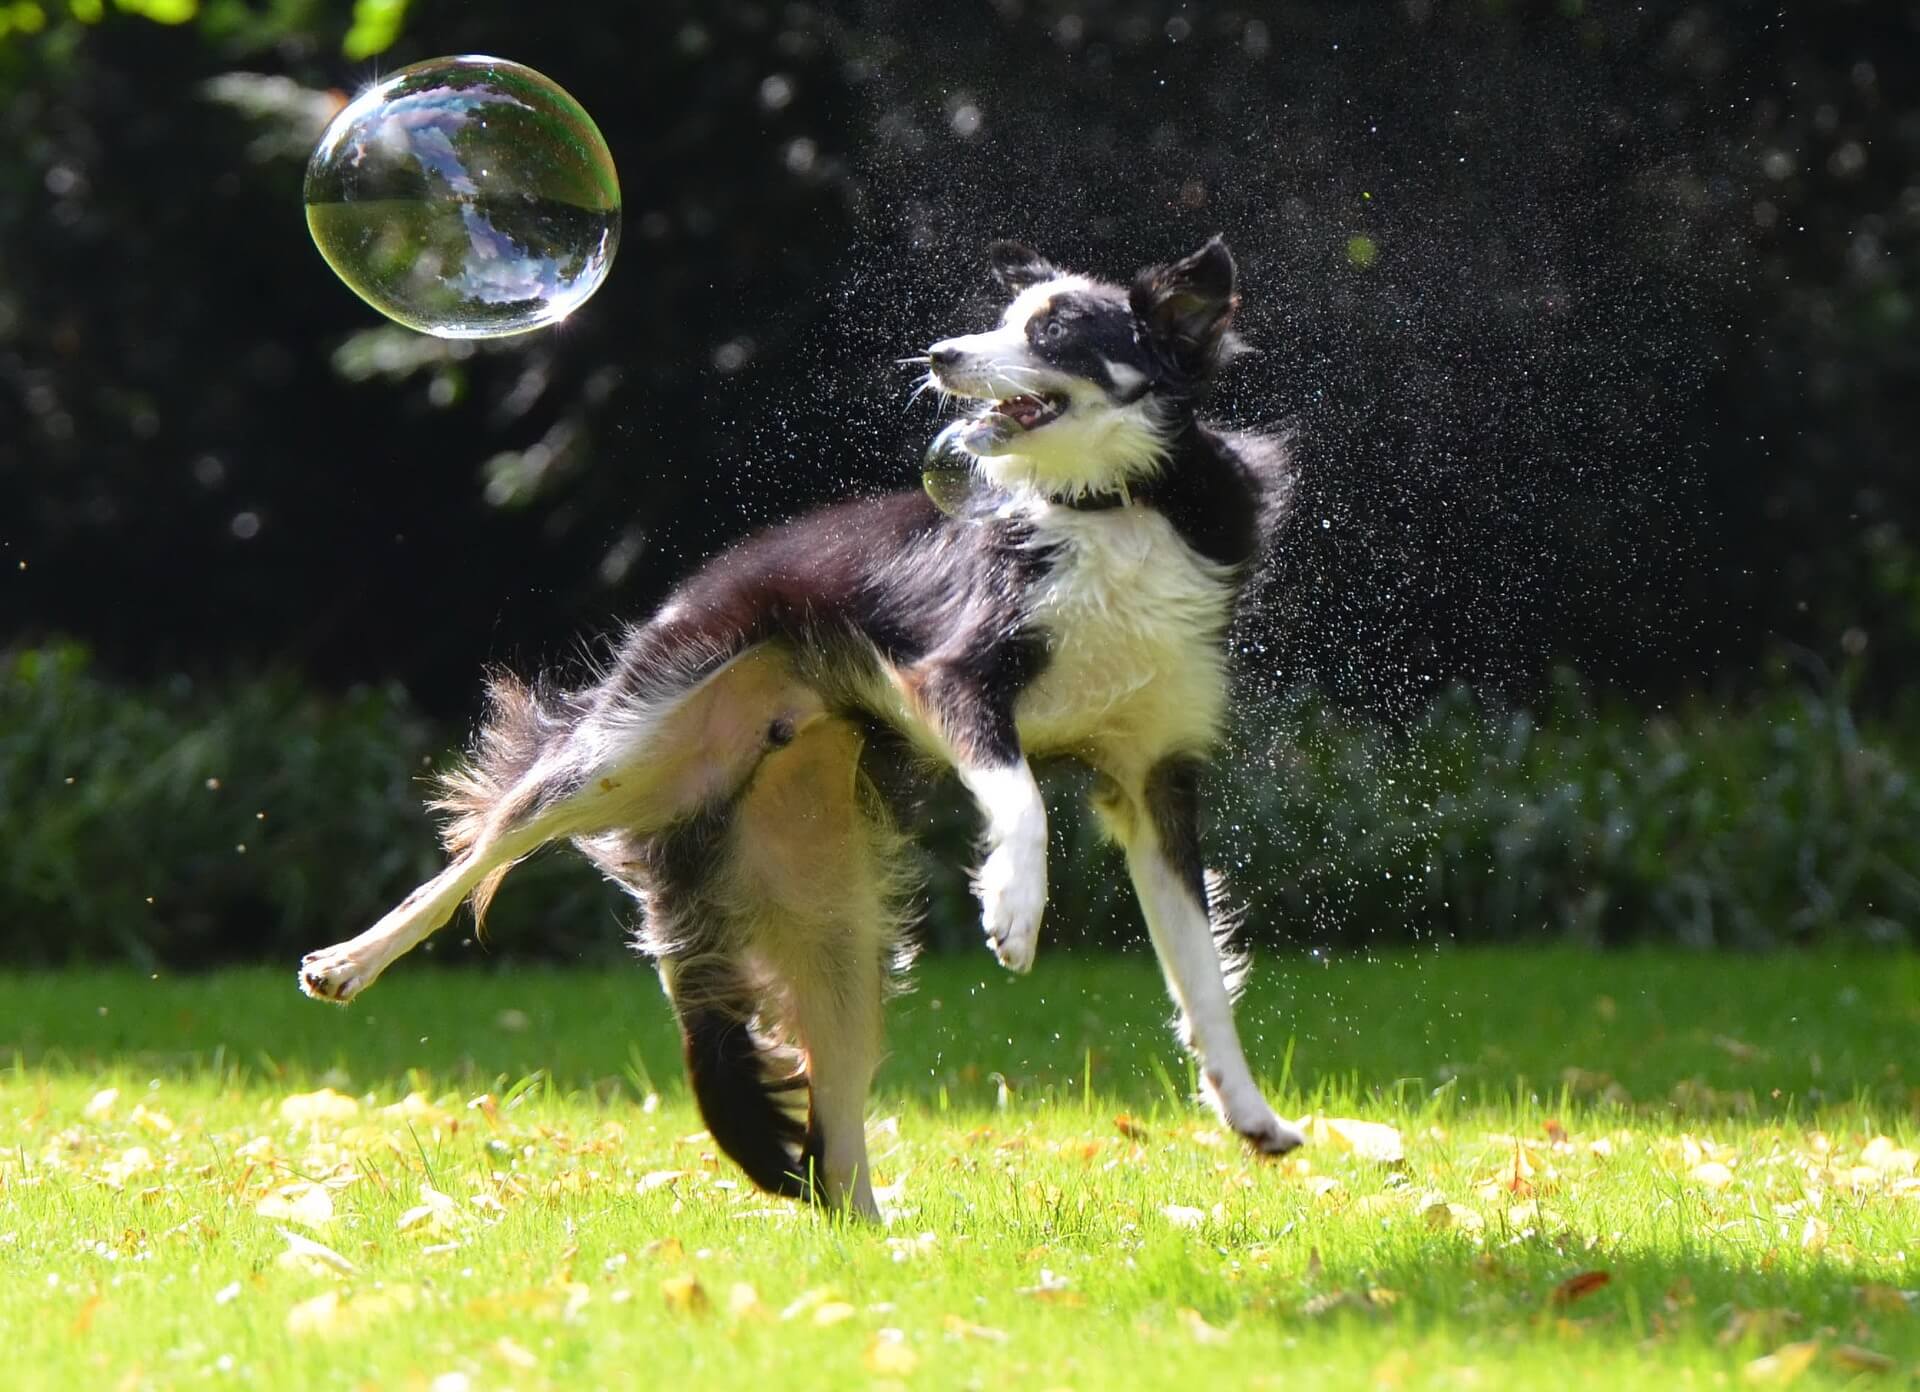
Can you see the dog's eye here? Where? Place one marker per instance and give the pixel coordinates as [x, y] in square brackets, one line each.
[780, 733]
[1054, 331]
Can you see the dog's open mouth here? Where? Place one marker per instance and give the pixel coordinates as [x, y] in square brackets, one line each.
[1031, 412]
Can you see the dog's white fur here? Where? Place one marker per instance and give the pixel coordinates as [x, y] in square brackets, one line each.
[1133, 619]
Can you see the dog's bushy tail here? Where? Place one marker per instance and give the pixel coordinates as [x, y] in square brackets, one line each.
[752, 1088]
[519, 725]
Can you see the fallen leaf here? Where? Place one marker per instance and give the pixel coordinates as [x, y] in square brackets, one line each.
[332, 1315]
[514, 1355]
[1579, 1287]
[303, 1253]
[100, 1106]
[1711, 1174]
[159, 1123]
[1196, 1325]
[1130, 1128]
[890, 1355]
[1782, 1366]
[1860, 1360]
[1441, 1216]
[655, 1179]
[743, 1301]
[965, 1329]
[807, 1300]
[1885, 1300]
[1556, 1133]
[309, 1205]
[1882, 1154]
[833, 1312]
[1394, 1369]
[435, 1210]
[1183, 1216]
[684, 1295]
[1763, 1326]
[318, 1316]
[312, 1108]
[1814, 1234]
[1370, 1140]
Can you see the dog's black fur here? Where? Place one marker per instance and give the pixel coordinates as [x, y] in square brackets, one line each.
[783, 666]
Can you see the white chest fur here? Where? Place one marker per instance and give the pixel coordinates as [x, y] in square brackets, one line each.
[1133, 620]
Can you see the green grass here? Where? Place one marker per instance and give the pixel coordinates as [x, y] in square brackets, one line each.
[1712, 1150]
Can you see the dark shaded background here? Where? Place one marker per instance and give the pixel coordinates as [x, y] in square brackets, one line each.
[1595, 323]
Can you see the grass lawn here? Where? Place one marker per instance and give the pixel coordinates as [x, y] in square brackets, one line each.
[1630, 1171]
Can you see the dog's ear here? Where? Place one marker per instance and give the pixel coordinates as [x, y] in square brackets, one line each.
[1187, 305]
[1015, 266]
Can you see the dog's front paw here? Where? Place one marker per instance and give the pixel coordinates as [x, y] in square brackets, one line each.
[333, 974]
[1012, 886]
[1267, 1134]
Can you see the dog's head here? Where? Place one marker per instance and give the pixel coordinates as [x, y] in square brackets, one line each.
[1083, 382]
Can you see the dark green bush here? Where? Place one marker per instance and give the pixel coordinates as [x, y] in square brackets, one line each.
[186, 823]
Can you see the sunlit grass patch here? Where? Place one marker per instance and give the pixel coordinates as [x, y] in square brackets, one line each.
[1632, 1171]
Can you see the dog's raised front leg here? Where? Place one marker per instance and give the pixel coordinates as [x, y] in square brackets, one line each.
[979, 731]
[1161, 834]
[1012, 880]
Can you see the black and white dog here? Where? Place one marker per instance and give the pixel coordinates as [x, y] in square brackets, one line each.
[727, 767]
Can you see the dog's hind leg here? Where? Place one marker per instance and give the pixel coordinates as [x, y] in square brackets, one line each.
[341, 972]
[639, 769]
[1158, 825]
[800, 894]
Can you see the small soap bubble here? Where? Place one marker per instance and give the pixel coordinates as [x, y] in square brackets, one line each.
[466, 197]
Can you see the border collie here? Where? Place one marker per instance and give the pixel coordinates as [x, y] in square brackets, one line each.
[731, 766]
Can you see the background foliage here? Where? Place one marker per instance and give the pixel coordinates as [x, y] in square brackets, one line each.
[1595, 323]
[184, 823]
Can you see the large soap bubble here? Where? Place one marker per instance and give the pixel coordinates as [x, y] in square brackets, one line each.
[466, 197]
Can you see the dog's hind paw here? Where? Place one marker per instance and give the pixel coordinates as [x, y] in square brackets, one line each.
[1013, 895]
[333, 974]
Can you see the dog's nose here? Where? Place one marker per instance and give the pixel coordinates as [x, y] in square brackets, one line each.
[940, 355]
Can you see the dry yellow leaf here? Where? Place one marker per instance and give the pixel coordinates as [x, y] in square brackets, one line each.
[806, 1301]
[833, 1312]
[415, 1107]
[1782, 1366]
[1860, 1360]
[514, 1355]
[304, 1254]
[100, 1106]
[890, 1355]
[965, 1329]
[1196, 1324]
[684, 1295]
[309, 1205]
[743, 1301]
[1711, 1174]
[158, 1123]
[333, 1315]
[1441, 1216]
[1764, 1326]
[1883, 1155]
[1183, 1215]
[1370, 1140]
[435, 1212]
[313, 1108]
[1814, 1234]
[1884, 1300]
[1394, 1369]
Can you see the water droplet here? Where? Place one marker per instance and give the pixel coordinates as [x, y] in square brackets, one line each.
[465, 197]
